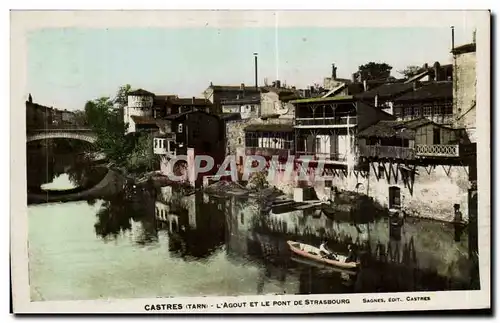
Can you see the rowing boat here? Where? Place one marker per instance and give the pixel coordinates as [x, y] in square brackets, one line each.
[312, 253]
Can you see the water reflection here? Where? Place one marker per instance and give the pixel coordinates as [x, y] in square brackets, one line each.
[395, 255]
[52, 167]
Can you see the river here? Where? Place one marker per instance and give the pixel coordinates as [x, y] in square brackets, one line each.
[158, 243]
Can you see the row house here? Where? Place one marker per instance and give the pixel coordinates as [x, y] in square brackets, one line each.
[327, 127]
[218, 94]
[433, 101]
[144, 108]
[190, 134]
[416, 166]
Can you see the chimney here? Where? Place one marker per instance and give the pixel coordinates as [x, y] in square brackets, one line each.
[334, 72]
[256, 76]
[354, 77]
[474, 36]
[30, 99]
[193, 100]
[426, 66]
[452, 37]
[437, 70]
[278, 84]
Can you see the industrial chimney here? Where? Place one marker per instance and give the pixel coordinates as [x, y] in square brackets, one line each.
[256, 76]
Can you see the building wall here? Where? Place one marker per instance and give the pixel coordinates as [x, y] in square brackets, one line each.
[464, 92]
[432, 195]
[271, 104]
[235, 134]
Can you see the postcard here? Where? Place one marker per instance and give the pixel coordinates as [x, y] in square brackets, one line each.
[250, 161]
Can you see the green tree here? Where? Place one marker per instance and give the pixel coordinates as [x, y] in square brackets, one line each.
[373, 71]
[411, 71]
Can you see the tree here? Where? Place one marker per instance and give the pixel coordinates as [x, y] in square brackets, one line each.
[411, 71]
[373, 71]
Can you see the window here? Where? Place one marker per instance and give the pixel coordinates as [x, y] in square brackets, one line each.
[394, 197]
[318, 145]
[398, 112]
[179, 128]
[408, 112]
[427, 111]
[417, 112]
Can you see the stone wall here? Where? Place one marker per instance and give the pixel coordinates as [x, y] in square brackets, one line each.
[464, 92]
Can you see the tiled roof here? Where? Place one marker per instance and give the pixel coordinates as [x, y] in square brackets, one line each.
[244, 100]
[463, 49]
[319, 100]
[231, 88]
[270, 127]
[143, 120]
[386, 91]
[140, 92]
[392, 128]
[430, 91]
[190, 101]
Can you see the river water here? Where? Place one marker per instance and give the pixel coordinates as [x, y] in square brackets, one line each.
[159, 243]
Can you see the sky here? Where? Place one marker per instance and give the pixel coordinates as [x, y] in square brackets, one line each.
[69, 66]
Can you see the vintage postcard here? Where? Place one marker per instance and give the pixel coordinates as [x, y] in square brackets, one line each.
[250, 161]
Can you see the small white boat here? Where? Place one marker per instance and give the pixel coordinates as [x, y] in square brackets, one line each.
[312, 253]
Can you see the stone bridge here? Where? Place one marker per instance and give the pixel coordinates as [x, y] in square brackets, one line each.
[71, 133]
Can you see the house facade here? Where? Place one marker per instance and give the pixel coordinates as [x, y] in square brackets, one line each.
[217, 94]
[415, 167]
[189, 134]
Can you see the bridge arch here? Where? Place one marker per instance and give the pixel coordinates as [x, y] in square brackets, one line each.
[84, 136]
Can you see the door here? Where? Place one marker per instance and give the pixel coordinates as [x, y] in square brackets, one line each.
[436, 136]
[394, 197]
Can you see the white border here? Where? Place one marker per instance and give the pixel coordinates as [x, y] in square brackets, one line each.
[25, 21]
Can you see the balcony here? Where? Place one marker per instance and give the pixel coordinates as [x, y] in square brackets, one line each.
[267, 152]
[328, 122]
[387, 152]
[327, 157]
[437, 150]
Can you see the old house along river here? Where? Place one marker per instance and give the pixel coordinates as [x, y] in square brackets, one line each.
[157, 242]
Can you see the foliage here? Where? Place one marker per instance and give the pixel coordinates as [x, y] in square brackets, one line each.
[104, 116]
[258, 180]
[411, 71]
[373, 71]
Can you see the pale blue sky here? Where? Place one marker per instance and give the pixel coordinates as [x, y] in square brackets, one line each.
[69, 66]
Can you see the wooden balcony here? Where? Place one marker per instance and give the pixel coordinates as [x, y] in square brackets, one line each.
[327, 122]
[267, 152]
[387, 152]
[327, 157]
[437, 150]
[395, 152]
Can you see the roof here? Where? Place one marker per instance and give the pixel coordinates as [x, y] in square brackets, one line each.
[464, 49]
[270, 127]
[386, 91]
[430, 91]
[165, 97]
[244, 100]
[140, 92]
[232, 88]
[319, 100]
[392, 128]
[143, 120]
[230, 116]
[190, 101]
[178, 115]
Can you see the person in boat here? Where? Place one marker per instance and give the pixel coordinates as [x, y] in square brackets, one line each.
[351, 255]
[325, 252]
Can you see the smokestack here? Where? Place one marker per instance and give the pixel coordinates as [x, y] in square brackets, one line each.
[452, 37]
[256, 76]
